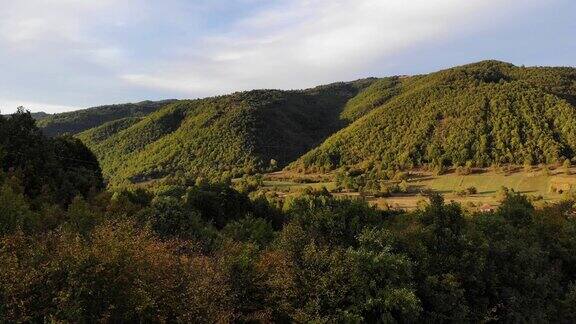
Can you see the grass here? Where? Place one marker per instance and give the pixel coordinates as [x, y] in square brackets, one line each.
[489, 183]
[534, 183]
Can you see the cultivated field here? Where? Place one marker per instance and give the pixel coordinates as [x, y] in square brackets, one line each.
[540, 184]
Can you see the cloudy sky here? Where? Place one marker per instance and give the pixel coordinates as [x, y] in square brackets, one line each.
[58, 55]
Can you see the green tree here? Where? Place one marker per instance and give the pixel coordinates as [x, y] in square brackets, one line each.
[15, 213]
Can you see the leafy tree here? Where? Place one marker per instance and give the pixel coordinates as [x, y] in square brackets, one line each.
[331, 221]
[15, 213]
[54, 169]
[81, 218]
[250, 229]
[567, 165]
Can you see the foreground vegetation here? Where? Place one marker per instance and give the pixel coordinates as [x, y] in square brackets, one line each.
[186, 250]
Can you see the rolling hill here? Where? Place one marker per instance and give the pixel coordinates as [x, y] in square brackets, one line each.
[479, 114]
[228, 135]
[77, 121]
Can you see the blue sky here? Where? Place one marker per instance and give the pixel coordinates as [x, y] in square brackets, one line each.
[59, 55]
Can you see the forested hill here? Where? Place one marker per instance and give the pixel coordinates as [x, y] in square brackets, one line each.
[478, 114]
[221, 136]
[77, 121]
[183, 252]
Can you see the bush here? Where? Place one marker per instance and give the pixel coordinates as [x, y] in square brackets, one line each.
[463, 170]
[401, 176]
[438, 170]
[467, 192]
[503, 193]
[305, 180]
[249, 183]
[471, 190]
[404, 186]
[567, 165]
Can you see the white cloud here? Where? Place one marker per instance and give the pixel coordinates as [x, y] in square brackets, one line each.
[8, 106]
[306, 42]
[105, 55]
[88, 52]
[24, 22]
[62, 28]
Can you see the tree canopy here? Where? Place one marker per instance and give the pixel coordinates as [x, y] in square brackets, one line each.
[482, 114]
[191, 251]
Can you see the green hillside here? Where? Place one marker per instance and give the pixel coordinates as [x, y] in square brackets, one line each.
[77, 121]
[478, 114]
[226, 135]
[374, 96]
[73, 252]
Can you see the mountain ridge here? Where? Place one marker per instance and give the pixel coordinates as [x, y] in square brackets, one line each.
[483, 113]
[74, 122]
[244, 132]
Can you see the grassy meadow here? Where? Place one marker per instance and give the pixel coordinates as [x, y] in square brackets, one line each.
[542, 185]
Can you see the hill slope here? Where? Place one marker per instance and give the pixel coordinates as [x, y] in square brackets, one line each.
[235, 134]
[483, 113]
[77, 121]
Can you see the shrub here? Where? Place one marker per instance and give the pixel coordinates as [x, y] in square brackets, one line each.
[463, 170]
[567, 165]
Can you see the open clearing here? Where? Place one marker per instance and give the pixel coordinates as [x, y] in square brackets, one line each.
[541, 185]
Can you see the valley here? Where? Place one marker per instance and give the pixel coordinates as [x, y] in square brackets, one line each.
[377, 134]
[287, 161]
[451, 188]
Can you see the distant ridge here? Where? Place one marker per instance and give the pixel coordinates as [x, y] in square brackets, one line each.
[478, 114]
[36, 115]
[77, 121]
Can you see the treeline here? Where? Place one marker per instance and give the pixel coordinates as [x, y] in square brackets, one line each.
[479, 114]
[191, 251]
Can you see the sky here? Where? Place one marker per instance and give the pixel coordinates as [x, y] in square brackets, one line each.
[62, 55]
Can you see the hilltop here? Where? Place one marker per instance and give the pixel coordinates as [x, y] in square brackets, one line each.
[477, 115]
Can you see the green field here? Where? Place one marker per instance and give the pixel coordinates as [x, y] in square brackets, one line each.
[537, 184]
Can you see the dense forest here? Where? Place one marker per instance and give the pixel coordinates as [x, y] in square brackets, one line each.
[128, 213]
[221, 137]
[191, 251]
[479, 114]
